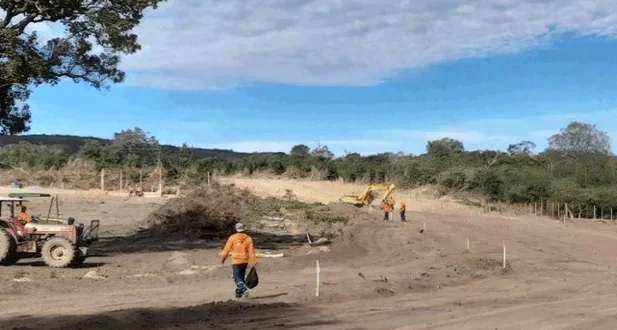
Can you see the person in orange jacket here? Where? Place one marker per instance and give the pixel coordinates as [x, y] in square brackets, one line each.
[23, 216]
[388, 206]
[402, 208]
[240, 245]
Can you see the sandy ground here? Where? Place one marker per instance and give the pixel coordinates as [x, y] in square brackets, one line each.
[376, 276]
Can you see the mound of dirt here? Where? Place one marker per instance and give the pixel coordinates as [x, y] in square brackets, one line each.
[207, 212]
[177, 262]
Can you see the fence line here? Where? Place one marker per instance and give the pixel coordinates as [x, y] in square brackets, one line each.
[555, 210]
[568, 211]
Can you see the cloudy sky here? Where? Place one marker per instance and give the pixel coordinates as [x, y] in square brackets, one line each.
[357, 75]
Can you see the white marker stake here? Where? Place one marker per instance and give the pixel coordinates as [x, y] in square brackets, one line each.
[424, 226]
[467, 243]
[504, 254]
[317, 278]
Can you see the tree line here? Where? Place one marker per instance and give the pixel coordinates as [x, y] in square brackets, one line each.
[577, 167]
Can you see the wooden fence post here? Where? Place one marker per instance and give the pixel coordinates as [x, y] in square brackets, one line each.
[103, 179]
[160, 180]
[504, 254]
[594, 212]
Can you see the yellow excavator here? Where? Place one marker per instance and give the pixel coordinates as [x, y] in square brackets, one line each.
[366, 197]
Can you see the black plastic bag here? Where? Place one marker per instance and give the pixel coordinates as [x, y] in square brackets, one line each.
[251, 278]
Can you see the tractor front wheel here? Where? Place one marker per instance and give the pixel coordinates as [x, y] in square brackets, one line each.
[58, 252]
[8, 249]
[78, 260]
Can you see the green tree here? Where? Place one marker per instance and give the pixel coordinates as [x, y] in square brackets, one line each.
[137, 148]
[444, 147]
[26, 157]
[322, 151]
[299, 158]
[300, 150]
[580, 138]
[25, 60]
[521, 148]
[179, 163]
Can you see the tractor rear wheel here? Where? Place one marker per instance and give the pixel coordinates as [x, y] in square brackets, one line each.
[58, 252]
[8, 249]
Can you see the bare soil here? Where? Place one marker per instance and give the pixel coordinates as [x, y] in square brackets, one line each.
[375, 275]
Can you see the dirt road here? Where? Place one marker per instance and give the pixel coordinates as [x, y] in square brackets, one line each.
[376, 276]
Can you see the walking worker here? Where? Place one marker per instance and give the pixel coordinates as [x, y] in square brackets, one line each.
[240, 245]
[402, 210]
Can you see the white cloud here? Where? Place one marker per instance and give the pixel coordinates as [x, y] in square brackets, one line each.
[210, 43]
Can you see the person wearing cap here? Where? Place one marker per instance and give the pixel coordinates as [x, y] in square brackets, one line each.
[240, 245]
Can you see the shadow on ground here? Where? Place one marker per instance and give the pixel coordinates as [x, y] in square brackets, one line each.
[40, 263]
[222, 315]
[136, 244]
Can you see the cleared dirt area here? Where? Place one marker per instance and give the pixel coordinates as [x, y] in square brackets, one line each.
[376, 275]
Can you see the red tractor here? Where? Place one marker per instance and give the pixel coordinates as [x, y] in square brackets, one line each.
[60, 243]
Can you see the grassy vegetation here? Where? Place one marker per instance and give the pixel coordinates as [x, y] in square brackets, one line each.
[317, 218]
[577, 168]
[271, 206]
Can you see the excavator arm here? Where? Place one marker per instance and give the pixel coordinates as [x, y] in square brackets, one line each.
[366, 198]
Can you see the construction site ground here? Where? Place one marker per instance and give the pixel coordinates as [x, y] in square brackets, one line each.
[375, 275]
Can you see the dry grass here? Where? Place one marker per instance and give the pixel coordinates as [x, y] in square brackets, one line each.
[82, 175]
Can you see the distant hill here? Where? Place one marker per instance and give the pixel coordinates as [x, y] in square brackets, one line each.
[73, 143]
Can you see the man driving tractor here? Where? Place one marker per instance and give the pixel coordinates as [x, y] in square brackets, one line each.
[23, 215]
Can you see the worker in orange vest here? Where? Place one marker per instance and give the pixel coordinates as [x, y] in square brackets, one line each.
[388, 206]
[402, 208]
[240, 245]
[23, 216]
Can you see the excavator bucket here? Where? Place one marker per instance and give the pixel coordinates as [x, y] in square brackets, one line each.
[353, 200]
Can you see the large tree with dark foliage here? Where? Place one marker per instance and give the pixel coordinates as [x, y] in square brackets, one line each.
[27, 61]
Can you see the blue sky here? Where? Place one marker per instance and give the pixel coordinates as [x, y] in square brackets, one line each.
[367, 81]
